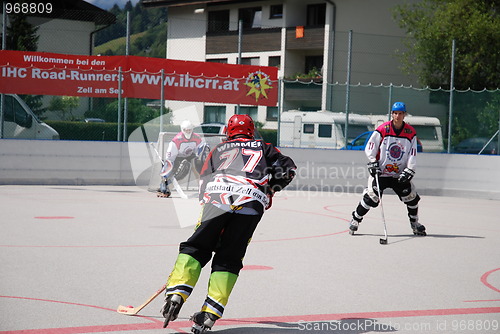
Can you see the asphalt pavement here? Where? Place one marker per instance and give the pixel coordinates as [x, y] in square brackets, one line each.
[70, 255]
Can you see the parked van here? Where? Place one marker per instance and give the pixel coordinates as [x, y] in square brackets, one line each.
[21, 123]
[429, 130]
[321, 129]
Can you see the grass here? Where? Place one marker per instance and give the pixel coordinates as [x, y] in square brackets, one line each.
[114, 44]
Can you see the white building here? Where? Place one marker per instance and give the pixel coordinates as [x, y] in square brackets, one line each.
[297, 36]
[68, 27]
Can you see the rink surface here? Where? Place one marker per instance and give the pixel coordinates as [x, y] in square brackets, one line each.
[69, 255]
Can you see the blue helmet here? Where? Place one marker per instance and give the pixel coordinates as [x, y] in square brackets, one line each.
[399, 106]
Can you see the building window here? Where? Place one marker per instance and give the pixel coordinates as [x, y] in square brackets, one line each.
[250, 111]
[217, 60]
[272, 114]
[308, 128]
[325, 131]
[251, 17]
[276, 12]
[275, 61]
[250, 61]
[313, 63]
[218, 21]
[214, 114]
[316, 14]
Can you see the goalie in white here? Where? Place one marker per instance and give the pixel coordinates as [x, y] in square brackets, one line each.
[185, 149]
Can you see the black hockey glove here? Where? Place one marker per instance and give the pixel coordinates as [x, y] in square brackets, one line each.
[406, 175]
[269, 194]
[280, 178]
[374, 168]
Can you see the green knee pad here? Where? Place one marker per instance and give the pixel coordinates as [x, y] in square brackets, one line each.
[184, 276]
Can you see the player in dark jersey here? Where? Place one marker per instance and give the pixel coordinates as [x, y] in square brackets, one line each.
[237, 182]
[391, 151]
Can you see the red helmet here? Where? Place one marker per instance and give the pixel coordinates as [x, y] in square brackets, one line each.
[240, 125]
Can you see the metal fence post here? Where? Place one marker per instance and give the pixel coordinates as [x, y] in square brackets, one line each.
[2, 96]
[125, 102]
[348, 84]
[162, 99]
[118, 135]
[280, 109]
[452, 75]
[240, 38]
[390, 103]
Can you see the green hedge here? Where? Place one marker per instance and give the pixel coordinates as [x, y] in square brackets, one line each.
[99, 131]
[270, 136]
[108, 131]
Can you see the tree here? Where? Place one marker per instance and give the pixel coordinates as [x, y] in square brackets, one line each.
[64, 105]
[151, 21]
[433, 24]
[21, 35]
[137, 111]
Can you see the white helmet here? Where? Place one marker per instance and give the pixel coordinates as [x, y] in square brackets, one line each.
[187, 128]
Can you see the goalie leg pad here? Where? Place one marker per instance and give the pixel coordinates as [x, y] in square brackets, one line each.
[183, 169]
[166, 169]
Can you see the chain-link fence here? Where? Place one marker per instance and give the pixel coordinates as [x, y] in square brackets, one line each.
[354, 73]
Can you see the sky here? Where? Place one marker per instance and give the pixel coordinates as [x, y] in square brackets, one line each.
[107, 4]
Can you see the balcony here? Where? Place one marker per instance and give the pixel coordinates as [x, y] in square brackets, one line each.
[314, 38]
[260, 40]
[253, 40]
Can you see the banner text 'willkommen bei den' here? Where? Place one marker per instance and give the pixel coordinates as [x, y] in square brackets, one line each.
[40, 73]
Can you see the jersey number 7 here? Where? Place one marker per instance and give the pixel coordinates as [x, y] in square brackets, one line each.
[230, 156]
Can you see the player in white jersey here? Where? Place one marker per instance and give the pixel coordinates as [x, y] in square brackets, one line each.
[392, 152]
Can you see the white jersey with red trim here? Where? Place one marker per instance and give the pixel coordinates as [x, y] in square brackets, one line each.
[236, 174]
[394, 150]
[182, 147]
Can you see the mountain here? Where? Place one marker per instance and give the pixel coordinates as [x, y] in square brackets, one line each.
[108, 4]
[148, 32]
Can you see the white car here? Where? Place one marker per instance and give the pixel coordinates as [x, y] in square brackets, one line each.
[211, 128]
[216, 129]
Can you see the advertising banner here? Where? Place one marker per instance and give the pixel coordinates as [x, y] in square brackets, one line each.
[41, 73]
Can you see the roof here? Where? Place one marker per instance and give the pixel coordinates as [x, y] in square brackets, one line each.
[178, 3]
[324, 117]
[76, 10]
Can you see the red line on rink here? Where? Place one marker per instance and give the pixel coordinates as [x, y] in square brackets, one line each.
[178, 325]
[484, 279]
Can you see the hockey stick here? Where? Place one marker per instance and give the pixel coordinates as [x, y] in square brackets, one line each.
[177, 187]
[382, 241]
[130, 310]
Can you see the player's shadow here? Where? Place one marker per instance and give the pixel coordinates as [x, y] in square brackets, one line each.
[344, 326]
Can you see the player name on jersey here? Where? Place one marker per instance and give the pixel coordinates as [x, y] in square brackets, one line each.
[239, 144]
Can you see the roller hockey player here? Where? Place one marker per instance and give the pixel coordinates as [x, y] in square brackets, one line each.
[185, 149]
[391, 151]
[237, 182]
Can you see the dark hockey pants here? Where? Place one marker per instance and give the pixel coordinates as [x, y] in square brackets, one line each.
[227, 234]
[405, 191]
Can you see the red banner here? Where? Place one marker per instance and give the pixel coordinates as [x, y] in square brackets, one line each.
[41, 73]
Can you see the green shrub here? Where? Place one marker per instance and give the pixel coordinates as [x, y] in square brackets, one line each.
[269, 136]
[100, 131]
